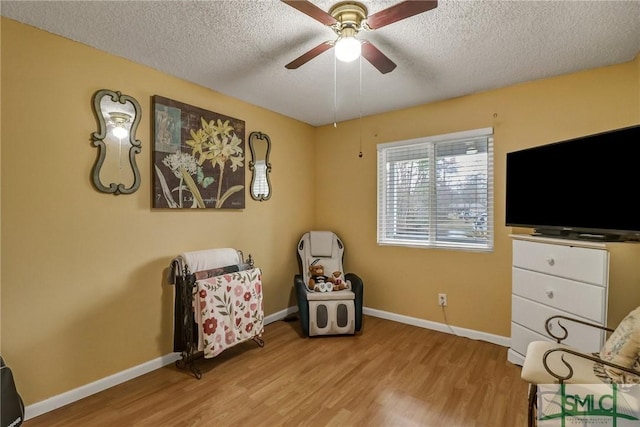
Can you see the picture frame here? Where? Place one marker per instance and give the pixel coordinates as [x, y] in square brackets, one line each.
[198, 157]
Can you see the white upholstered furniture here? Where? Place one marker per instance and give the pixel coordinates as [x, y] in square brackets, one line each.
[550, 363]
[325, 309]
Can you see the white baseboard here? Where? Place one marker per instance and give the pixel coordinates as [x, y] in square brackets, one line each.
[55, 402]
[280, 315]
[71, 396]
[440, 327]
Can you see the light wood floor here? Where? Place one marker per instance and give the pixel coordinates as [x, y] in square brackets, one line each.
[391, 374]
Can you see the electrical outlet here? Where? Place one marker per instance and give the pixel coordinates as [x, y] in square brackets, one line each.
[442, 300]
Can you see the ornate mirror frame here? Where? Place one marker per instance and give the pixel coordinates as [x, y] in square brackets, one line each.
[260, 188]
[118, 117]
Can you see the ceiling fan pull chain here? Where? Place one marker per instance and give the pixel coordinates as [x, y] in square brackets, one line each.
[335, 91]
[360, 65]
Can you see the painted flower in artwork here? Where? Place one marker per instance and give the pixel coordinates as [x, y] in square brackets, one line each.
[217, 143]
[183, 166]
[181, 161]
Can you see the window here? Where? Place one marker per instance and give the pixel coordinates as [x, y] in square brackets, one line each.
[437, 191]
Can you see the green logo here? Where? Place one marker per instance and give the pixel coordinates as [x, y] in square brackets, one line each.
[616, 405]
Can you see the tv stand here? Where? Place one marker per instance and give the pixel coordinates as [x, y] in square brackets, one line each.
[576, 235]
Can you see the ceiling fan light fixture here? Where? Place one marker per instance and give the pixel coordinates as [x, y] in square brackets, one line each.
[120, 132]
[119, 120]
[348, 49]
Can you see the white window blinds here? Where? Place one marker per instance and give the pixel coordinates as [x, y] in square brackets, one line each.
[437, 191]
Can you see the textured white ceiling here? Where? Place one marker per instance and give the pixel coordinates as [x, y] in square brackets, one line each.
[239, 48]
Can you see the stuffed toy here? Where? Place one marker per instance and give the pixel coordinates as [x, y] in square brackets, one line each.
[318, 281]
[339, 283]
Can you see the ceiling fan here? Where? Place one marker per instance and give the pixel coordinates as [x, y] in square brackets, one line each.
[347, 19]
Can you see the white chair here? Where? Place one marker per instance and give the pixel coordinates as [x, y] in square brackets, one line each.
[556, 363]
[324, 307]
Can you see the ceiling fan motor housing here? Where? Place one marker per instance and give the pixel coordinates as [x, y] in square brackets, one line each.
[349, 16]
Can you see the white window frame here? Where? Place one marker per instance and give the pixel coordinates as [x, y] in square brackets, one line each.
[434, 231]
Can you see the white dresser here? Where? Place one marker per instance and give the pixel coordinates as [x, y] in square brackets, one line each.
[591, 281]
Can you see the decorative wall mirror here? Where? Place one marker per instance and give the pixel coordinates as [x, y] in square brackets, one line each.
[115, 170]
[260, 146]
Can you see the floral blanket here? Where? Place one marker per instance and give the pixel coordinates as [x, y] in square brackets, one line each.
[228, 309]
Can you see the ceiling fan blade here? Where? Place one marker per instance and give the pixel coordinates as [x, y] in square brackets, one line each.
[312, 10]
[377, 58]
[303, 59]
[399, 11]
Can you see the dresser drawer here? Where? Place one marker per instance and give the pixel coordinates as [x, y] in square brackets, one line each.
[521, 337]
[572, 262]
[573, 297]
[533, 316]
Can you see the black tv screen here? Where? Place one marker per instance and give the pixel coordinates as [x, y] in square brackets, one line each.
[583, 187]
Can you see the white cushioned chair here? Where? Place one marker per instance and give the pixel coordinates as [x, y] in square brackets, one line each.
[329, 303]
[556, 363]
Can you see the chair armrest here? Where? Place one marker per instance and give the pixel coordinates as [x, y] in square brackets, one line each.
[594, 359]
[356, 282]
[301, 289]
[559, 339]
[297, 280]
[303, 305]
[358, 288]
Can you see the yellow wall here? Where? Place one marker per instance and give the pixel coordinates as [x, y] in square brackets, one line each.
[407, 280]
[83, 295]
[0, 192]
[637, 68]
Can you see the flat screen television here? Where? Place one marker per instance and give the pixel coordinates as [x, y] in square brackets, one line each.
[582, 188]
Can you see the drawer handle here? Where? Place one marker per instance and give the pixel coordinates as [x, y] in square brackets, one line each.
[551, 261]
[549, 293]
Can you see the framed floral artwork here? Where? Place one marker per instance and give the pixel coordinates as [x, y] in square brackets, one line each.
[198, 157]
